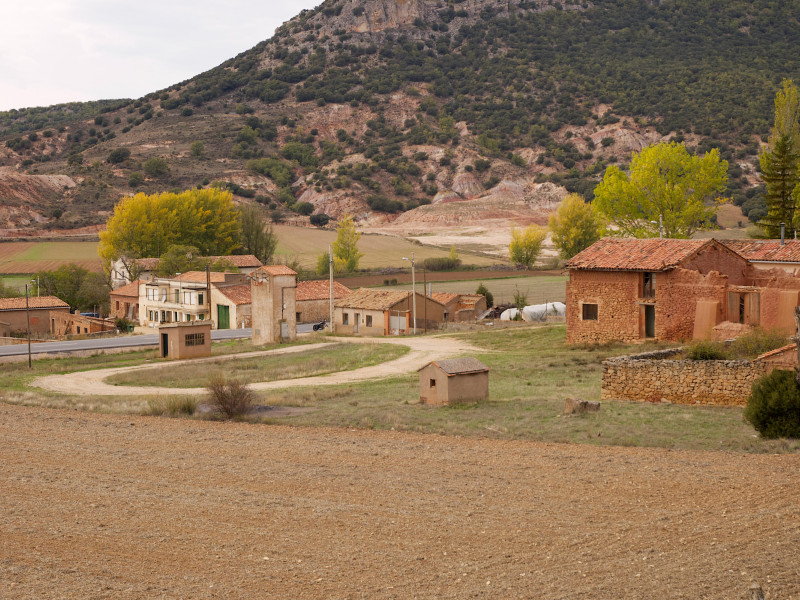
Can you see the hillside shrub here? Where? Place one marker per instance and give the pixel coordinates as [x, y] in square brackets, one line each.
[756, 342]
[707, 350]
[773, 407]
[320, 219]
[303, 208]
[118, 155]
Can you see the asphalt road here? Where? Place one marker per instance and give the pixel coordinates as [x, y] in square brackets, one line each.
[123, 341]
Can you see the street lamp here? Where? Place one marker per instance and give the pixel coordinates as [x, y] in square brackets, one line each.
[413, 293]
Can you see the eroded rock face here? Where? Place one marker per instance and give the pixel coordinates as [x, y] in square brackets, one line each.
[23, 196]
[466, 185]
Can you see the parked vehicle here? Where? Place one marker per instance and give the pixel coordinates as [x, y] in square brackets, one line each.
[320, 326]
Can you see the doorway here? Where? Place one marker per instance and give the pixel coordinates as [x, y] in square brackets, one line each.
[164, 345]
[223, 316]
[649, 321]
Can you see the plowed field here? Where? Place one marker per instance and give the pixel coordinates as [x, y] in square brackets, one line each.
[29, 257]
[100, 506]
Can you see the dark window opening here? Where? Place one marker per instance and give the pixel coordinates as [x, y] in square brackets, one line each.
[433, 383]
[648, 285]
[590, 312]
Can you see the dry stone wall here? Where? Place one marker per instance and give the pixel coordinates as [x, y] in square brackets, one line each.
[661, 377]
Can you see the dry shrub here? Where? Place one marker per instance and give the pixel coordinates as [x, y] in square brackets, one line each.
[173, 406]
[230, 398]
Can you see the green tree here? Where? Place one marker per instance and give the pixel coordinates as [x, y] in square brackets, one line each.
[779, 170]
[666, 183]
[118, 155]
[484, 291]
[80, 288]
[146, 226]
[526, 245]
[257, 238]
[323, 264]
[575, 226]
[345, 248]
[197, 149]
[780, 161]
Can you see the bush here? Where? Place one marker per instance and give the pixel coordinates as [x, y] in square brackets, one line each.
[773, 407]
[304, 208]
[484, 291]
[230, 398]
[155, 167]
[117, 156]
[441, 263]
[707, 350]
[320, 219]
[756, 342]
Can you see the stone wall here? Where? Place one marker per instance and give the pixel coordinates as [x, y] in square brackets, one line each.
[615, 293]
[658, 376]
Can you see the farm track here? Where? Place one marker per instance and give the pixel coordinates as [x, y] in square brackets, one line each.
[108, 506]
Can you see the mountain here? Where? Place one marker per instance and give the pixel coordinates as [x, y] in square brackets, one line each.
[422, 113]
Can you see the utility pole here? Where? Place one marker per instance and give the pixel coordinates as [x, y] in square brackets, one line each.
[330, 274]
[28, 319]
[425, 293]
[413, 294]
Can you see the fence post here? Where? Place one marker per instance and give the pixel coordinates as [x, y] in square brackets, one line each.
[756, 593]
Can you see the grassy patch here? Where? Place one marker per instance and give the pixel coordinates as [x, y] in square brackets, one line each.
[330, 359]
[538, 289]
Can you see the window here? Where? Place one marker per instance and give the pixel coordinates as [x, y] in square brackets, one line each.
[648, 285]
[589, 312]
[297, 317]
[345, 319]
[368, 320]
[200, 299]
[117, 304]
[433, 383]
[195, 339]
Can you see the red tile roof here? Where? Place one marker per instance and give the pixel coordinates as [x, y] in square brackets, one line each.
[444, 297]
[238, 294]
[132, 289]
[371, 299]
[33, 302]
[459, 366]
[631, 254]
[319, 290]
[766, 250]
[199, 277]
[274, 270]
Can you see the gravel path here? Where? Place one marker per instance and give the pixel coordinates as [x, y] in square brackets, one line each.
[423, 350]
[107, 506]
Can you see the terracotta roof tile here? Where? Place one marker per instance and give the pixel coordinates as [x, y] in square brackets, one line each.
[630, 254]
[319, 290]
[237, 260]
[766, 250]
[372, 299]
[239, 294]
[33, 302]
[131, 289]
[443, 297]
[274, 270]
[457, 366]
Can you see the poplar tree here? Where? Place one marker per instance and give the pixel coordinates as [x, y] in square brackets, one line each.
[345, 248]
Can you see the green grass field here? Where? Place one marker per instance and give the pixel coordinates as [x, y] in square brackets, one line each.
[537, 290]
[307, 244]
[532, 372]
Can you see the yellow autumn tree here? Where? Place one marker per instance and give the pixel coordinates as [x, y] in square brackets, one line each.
[575, 226]
[345, 248]
[526, 245]
[146, 226]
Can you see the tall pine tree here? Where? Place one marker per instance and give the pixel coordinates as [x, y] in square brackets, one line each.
[780, 162]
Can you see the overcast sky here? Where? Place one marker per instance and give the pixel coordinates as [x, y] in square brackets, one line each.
[54, 51]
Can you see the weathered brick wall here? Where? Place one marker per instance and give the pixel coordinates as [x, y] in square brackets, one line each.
[722, 260]
[615, 294]
[657, 376]
[677, 293]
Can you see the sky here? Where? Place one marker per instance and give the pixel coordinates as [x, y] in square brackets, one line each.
[54, 51]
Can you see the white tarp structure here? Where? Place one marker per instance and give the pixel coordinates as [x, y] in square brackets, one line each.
[539, 312]
[509, 314]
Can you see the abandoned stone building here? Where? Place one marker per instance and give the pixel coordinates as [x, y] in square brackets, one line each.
[630, 289]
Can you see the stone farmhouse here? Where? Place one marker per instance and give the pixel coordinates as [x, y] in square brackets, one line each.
[41, 310]
[381, 312]
[460, 307]
[632, 289]
[313, 299]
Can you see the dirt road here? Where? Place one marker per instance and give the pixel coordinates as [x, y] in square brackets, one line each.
[423, 350]
[100, 506]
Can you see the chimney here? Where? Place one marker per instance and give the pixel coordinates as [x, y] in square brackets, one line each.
[783, 233]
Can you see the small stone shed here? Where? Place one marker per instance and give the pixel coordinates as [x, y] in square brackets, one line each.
[184, 340]
[453, 381]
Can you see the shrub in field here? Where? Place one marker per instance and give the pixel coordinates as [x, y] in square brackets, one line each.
[773, 407]
[230, 398]
[757, 341]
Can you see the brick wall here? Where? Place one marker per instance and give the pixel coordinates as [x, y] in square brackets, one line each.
[657, 376]
[677, 293]
[722, 260]
[615, 293]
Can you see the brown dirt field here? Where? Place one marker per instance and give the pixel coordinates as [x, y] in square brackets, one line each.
[357, 281]
[103, 506]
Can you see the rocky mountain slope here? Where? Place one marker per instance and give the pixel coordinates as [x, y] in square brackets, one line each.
[415, 114]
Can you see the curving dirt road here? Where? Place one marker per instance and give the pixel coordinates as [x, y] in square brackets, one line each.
[423, 350]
